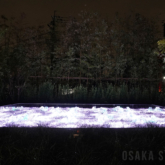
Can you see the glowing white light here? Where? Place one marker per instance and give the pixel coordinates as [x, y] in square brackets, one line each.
[67, 91]
[76, 117]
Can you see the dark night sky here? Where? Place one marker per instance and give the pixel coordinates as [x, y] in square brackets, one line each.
[38, 12]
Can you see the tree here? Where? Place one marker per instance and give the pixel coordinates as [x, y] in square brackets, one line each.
[20, 58]
[54, 39]
[136, 38]
[161, 45]
[87, 37]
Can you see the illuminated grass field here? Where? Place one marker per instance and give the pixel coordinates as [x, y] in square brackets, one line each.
[82, 115]
[81, 134]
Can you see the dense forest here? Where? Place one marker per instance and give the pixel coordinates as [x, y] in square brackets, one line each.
[86, 54]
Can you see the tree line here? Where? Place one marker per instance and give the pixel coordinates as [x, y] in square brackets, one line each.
[90, 47]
